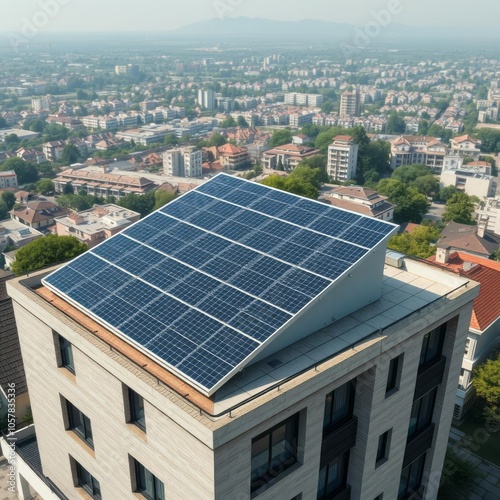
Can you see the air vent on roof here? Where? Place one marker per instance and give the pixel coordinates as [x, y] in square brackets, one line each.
[274, 363]
[394, 259]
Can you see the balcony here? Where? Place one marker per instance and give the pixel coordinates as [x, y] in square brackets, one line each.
[338, 440]
[418, 445]
[429, 377]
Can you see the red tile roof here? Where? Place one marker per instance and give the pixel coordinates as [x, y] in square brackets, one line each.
[487, 273]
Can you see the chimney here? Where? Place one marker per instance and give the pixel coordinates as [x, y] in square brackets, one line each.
[482, 225]
[443, 255]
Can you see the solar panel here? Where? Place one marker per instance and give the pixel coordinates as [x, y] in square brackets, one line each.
[203, 284]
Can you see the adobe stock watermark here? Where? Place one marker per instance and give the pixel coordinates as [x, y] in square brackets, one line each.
[363, 36]
[11, 437]
[223, 7]
[31, 25]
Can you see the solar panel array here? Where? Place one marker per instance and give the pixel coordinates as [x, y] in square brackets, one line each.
[202, 283]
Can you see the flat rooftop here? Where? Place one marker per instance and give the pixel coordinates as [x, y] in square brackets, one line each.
[405, 292]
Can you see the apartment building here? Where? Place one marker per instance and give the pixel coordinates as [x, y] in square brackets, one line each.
[350, 104]
[102, 184]
[183, 162]
[490, 211]
[349, 392]
[471, 180]
[286, 157]
[8, 179]
[297, 99]
[230, 156]
[342, 158]
[412, 150]
[95, 225]
[128, 69]
[206, 99]
[466, 146]
[100, 122]
[41, 103]
[298, 120]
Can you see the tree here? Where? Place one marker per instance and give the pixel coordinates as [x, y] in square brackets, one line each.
[171, 140]
[458, 478]
[280, 137]
[417, 243]
[46, 251]
[70, 154]
[217, 140]
[408, 173]
[242, 122]
[317, 162]
[9, 199]
[45, 186]
[427, 184]
[459, 208]
[3, 123]
[446, 193]
[144, 204]
[423, 127]
[301, 181]
[395, 124]
[162, 198]
[229, 122]
[68, 188]
[411, 208]
[25, 171]
[4, 210]
[486, 381]
[438, 131]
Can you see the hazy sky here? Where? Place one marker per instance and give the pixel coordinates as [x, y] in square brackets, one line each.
[163, 15]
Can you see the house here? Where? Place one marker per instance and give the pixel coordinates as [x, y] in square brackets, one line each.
[229, 156]
[8, 179]
[474, 240]
[418, 150]
[356, 379]
[95, 225]
[38, 214]
[361, 200]
[300, 139]
[31, 155]
[484, 330]
[470, 179]
[286, 157]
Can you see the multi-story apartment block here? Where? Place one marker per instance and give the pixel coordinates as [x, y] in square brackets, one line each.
[350, 104]
[95, 225]
[206, 99]
[230, 156]
[245, 373]
[311, 100]
[471, 180]
[490, 211]
[342, 158]
[298, 120]
[8, 179]
[183, 162]
[484, 329]
[41, 103]
[466, 146]
[411, 150]
[129, 70]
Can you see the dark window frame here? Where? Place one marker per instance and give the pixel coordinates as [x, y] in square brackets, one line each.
[411, 488]
[66, 358]
[136, 409]
[141, 488]
[383, 448]
[429, 355]
[92, 487]
[329, 422]
[274, 471]
[394, 375]
[86, 434]
[343, 461]
[424, 407]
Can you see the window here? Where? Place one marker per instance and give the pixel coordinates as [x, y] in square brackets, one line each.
[411, 479]
[136, 407]
[339, 405]
[148, 485]
[383, 448]
[274, 452]
[87, 482]
[66, 351]
[394, 375]
[421, 413]
[333, 477]
[432, 347]
[79, 423]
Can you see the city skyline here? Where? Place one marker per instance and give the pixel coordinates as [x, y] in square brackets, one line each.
[68, 15]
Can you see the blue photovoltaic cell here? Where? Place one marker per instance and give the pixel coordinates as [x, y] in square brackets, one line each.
[204, 281]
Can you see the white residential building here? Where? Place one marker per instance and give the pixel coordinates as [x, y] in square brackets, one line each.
[342, 158]
[8, 179]
[183, 162]
[206, 99]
